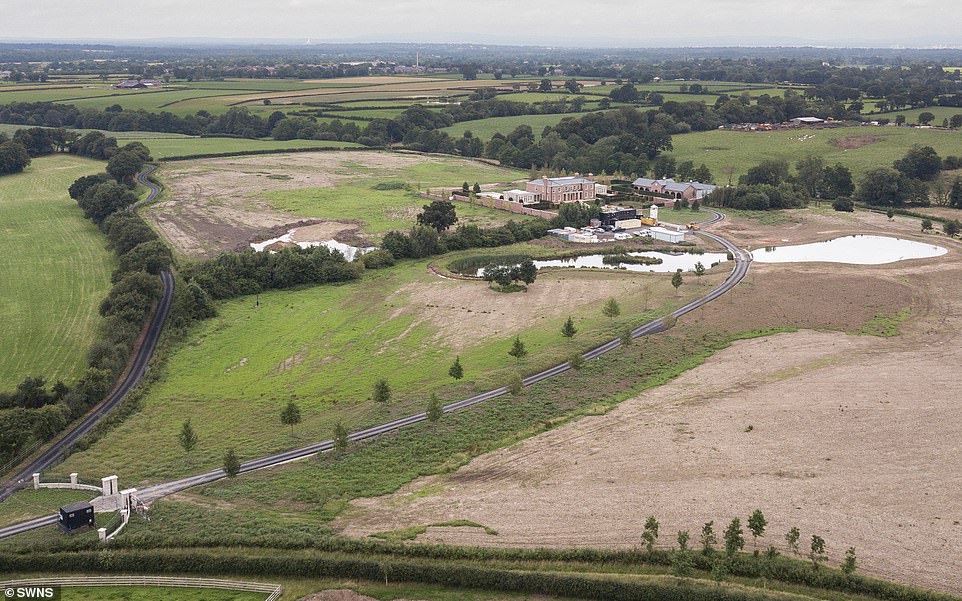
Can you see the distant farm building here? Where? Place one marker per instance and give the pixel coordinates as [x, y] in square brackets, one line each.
[76, 515]
[807, 121]
[558, 190]
[139, 84]
[673, 189]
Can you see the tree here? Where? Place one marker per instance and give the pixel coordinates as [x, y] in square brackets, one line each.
[14, 158]
[890, 214]
[545, 85]
[699, 270]
[836, 182]
[955, 122]
[920, 162]
[568, 330]
[756, 524]
[708, 538]
[952, 228]
[771, 172]
[576, 360]
[626, 338]
[811, 171]
[231, 463]
[955, 193]
[124, 165]
[341, 440]
[926, 117]
[883, 186]
[650, 535]
[682, 539]
[900, 119]
[573, 86]
[440, 215]
[611, 309]
[515, 384]
[465, 188]
[525, 271]
[817, 552]
[477, 188]
[850, 563]
[846, 205]
[926, 225]
[382, 391]
[456, 371]
[792, 537]
[518, 351]
[291, 415]
[677, 281]
[187, 437]
[734, 538]
[434, 409]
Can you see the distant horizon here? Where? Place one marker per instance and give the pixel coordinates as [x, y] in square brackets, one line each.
[185, 41]
[622, 24]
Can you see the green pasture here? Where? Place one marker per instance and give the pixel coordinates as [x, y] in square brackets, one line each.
[486, 128]
[55, 269]
[912, 115]
[324, 347]
[743, 150]
[381, 210]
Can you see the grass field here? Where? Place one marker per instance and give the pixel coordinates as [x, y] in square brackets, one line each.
[743, 150]
[486, 128]
[383, 210]
[154, 593]
[912, 115]
[55, 268]
[28, 504]
[324, 347]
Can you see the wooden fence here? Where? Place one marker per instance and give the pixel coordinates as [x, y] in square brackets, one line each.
[273, 591]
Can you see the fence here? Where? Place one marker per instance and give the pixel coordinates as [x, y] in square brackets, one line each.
[274, 591]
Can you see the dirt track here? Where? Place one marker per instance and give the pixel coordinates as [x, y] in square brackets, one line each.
[854, 438]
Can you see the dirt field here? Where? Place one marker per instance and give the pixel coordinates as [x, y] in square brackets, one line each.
[853, 142]
[215, 205]
[467, 313]
[854, 438]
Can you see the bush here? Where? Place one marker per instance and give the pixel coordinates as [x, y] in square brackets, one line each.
[844, 204]
[377, 259]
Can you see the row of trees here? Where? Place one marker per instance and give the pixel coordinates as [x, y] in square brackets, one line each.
[16, 153]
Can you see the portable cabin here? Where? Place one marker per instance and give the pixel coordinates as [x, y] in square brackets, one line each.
[76, 515]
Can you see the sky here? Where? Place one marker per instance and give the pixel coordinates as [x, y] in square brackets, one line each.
[595, 23]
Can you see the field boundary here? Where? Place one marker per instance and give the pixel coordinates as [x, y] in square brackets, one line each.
[274, 590]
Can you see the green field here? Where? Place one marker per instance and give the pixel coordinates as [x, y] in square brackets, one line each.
[154, 593]
[912, 115]
[743, 150]
[325, 347]
[56, 271]
[486, 128]
[383, 210]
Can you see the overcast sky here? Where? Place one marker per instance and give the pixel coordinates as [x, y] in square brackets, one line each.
[635, 23]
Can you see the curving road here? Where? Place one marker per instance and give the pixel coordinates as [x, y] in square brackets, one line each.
[56, 451]
[742, 260]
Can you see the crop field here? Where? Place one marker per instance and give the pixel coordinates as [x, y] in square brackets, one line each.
[325, 347]
[56, 271]
[858, 148]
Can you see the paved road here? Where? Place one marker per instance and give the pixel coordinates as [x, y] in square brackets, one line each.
[742, 261]
[120, 390]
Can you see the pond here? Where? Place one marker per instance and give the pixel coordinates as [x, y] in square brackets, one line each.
[670, 262]
[860, 249]
[350, 252]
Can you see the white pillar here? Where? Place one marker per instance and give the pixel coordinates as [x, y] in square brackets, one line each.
[109, 485]
[128, 498]
[74, 477]
[36, 481]
[114, 489]
[102, 532]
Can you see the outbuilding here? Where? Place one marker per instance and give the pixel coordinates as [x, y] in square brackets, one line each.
[666, 235]
[76, 515]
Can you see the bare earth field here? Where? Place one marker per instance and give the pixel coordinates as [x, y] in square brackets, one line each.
[853, 438]
[215, 205]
